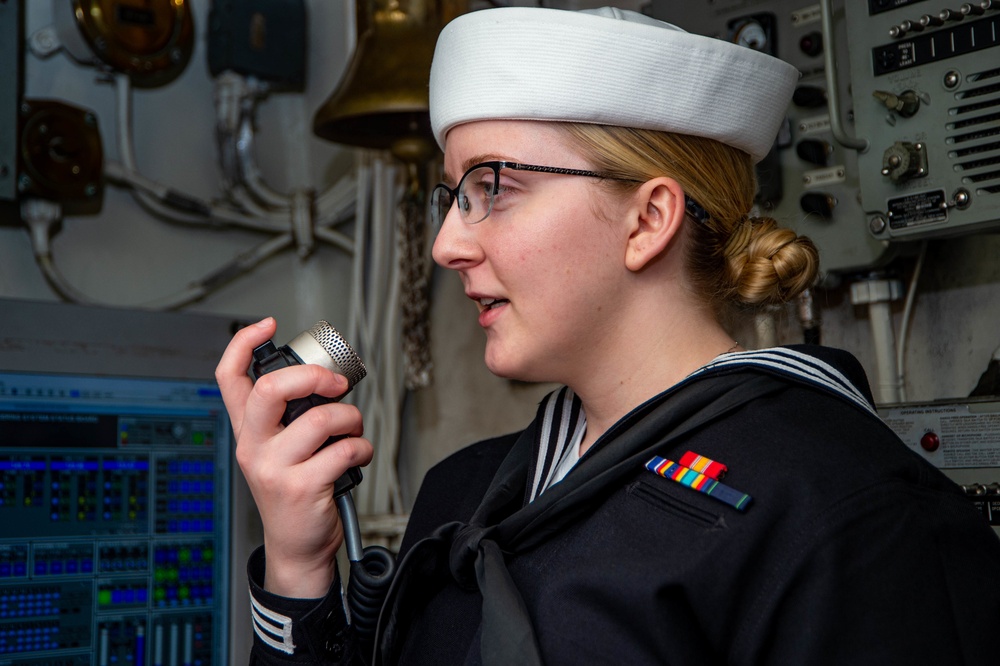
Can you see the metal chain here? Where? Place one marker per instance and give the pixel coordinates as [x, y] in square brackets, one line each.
[414, 287]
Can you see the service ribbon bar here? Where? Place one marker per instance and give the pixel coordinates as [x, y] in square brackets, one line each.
[707, 466]
[686, 476]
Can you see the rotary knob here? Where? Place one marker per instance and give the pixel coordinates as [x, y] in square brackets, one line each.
[904, 160]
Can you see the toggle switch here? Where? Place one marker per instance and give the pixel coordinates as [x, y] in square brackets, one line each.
[993, 502]
[906, 103]
[905, 27]
[903, 161]
[977, 493]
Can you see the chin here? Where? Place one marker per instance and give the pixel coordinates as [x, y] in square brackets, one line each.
[501, 370]
[505, 367]
[518, 371]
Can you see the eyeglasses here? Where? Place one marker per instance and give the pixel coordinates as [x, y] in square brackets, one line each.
[477, 189]
[479, 186]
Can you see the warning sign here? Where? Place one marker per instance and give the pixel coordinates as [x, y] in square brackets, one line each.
[965, 435]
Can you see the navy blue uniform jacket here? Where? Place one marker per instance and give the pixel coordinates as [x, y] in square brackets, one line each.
[853, 551]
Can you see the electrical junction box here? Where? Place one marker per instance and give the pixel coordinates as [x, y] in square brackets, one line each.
[962, 439]
[261, 38]
[11, 83]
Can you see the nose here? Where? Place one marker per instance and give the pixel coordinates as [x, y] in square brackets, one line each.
[456, 245]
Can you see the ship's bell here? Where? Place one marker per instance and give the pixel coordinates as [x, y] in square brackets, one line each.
[381, 101]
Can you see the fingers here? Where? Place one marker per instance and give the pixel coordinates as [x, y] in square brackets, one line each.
[231, 372]
[333, 461]
[332, 419]
[308, 484]
[266, 403]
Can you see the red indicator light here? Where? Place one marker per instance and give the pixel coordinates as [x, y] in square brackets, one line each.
[930, 442]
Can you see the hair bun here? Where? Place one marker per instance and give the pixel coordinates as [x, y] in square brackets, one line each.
[769, 264]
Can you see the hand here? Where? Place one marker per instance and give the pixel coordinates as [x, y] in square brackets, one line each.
[291, 482]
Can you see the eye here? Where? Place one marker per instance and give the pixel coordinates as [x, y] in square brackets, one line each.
[506, 191]
[481, 184]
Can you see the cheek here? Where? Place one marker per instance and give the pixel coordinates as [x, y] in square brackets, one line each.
[538, 258]
[571, 242]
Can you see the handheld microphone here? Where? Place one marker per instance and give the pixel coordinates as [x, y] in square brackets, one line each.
[372, 568]
[324, 346]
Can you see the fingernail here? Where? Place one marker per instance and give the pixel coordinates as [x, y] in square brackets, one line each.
[265, 322]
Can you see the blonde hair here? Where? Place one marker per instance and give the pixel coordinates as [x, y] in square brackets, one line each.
[733, 259]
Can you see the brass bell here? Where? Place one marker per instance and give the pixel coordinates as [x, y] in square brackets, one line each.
[381, 101]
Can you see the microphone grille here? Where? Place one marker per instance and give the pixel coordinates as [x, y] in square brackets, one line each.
[340, 351]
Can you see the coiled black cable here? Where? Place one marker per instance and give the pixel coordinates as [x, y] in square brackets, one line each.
[370, 580]
[372, 571]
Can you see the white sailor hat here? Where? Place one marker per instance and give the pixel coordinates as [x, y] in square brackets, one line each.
[607, 66]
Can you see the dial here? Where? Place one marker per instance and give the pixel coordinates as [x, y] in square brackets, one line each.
[752, 35]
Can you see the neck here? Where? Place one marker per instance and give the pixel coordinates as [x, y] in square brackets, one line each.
[639, 372]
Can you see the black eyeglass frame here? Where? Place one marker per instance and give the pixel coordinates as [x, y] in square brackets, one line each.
[691, 206]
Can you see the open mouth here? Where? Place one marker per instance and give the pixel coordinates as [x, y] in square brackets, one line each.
[490, 303]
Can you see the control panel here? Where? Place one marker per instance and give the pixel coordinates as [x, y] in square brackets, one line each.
[810, 182]
[926, 84]
[114, 501]
[962, 439]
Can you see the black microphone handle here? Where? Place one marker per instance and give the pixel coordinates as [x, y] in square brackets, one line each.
[372, 568]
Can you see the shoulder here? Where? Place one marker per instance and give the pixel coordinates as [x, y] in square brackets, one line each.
[819, 440]
[842, 360]
[452, 489]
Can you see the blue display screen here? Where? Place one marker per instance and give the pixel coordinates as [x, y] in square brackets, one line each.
[115, 500]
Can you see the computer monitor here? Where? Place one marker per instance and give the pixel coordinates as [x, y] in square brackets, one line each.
[124, 524]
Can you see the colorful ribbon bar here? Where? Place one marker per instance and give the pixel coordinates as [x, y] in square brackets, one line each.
[707, 466]
[686, 476]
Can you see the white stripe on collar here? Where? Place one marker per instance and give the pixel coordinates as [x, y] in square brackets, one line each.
[797, 364]
[572, 421]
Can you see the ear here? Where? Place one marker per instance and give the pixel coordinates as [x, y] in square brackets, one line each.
[655, 222]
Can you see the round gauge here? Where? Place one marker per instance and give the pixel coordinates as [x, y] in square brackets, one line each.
[752, 35]
[150, 40]
[61, 154]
